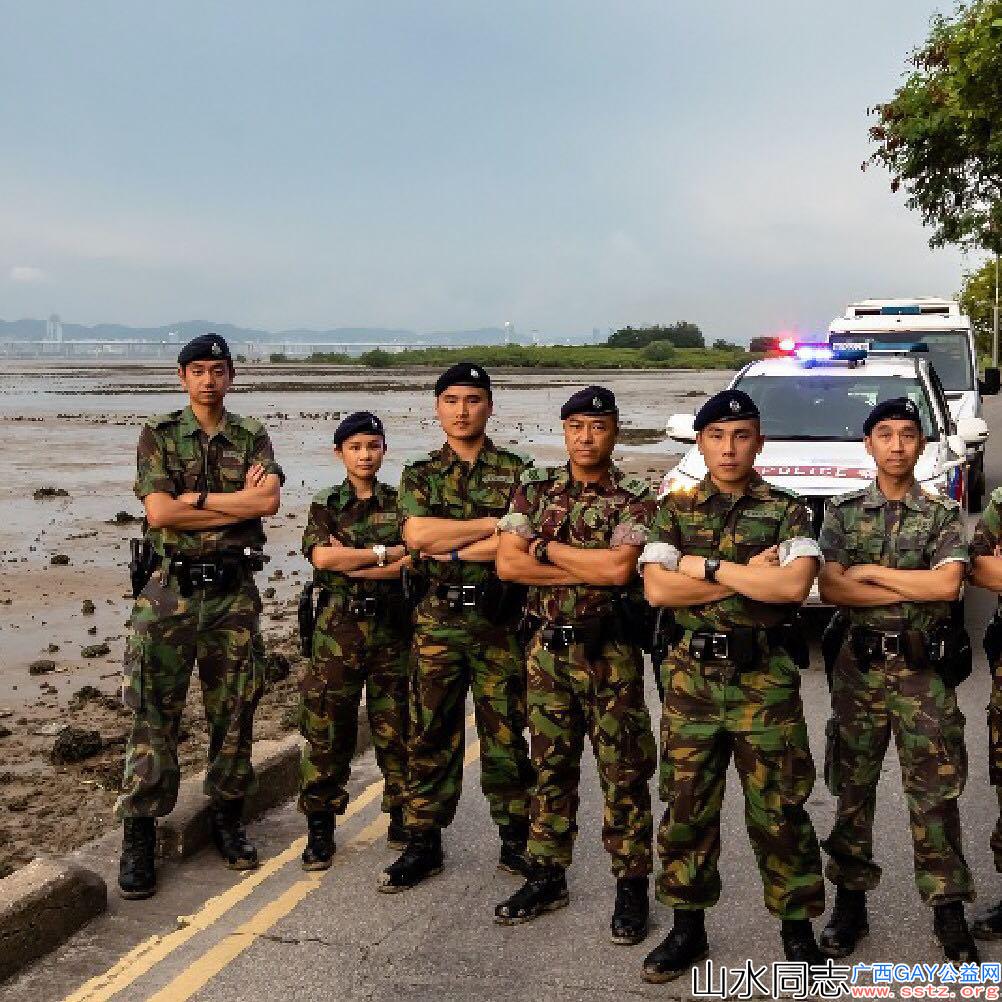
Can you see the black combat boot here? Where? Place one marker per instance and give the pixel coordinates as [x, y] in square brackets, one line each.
[799, 943]
[545, 890]
[989, 925]
[396, 833]
[847, 926]
[136, 874]
[629, 917]
[950, 927]
[685, 947]
[420, 860]
[319, 851]
[513, 840]
[229, 835]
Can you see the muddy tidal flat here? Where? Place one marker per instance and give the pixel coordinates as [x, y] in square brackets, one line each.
[67, 512]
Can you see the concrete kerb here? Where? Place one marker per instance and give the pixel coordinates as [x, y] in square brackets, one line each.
[41, 906]
[44, 903]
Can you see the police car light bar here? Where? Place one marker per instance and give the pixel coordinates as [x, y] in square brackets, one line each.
[898, 347]
[813, 353]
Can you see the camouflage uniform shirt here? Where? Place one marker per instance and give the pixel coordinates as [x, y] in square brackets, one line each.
[919, 533]
[703, 521]
[355, 522]
[441, 485]
[615, 511]
[176, 456]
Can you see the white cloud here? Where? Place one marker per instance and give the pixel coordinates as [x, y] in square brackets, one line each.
[24, 274]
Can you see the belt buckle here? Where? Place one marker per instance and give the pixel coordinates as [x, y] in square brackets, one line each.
[369, 605]
[207, 574]
[890, 644]
[720, 646]
[468, 596]
[566, 634]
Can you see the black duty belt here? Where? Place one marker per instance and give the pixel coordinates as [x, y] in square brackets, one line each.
[740, 644]
[560, 636]
[881, 644]
[460, 597]
[208, 575]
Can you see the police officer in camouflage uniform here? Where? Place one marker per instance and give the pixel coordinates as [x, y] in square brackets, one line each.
[206, 478]
[573, 534]
[986, 572]
[895, 558]
[361, 638]
[464, 633]
[734, 557]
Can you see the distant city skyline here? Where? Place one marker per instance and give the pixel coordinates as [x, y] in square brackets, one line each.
[566, 166]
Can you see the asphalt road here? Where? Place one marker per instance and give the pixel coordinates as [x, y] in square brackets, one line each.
[285, 935]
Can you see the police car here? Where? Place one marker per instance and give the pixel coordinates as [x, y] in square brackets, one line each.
[814, 401]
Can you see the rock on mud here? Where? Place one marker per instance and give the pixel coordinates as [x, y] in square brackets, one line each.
[41, 667]
[73, 744]
[87, 607]
[95, 651]
[43, 493]
[59, 559]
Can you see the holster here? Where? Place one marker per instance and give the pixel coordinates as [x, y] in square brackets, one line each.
[832, 641]
[636, 620]
[993, 640]
[949, 653]
[502, 602]
[142, 564]
[307, 618]
[414, 586]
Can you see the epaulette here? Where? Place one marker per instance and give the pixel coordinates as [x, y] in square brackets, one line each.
[161, 419]
[537, 474]
[996, 495]
[785, 492]
[424, 457]
[249, 424]
[840, 499]
[521, 457]
[940, 499]
[322, 497]
[635, 486]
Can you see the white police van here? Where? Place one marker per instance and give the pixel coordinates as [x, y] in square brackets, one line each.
[949, 339]
[813, 404]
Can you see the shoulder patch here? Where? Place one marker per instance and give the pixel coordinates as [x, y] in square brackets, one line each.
[996, 495]
[249, 424]
[161, 419]
[635, 486]
[537, 474]
[840, 499]
[323, 496]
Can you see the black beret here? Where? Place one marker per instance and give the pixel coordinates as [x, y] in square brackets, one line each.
[898, 409]
[207, 348]
[595, 401]
[727, 405]
[463, 374]
[359, 423]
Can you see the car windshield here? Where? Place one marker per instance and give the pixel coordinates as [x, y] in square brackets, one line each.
[820, 407]
[949, 352]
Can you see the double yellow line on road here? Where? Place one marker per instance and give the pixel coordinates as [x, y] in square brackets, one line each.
[146, 955]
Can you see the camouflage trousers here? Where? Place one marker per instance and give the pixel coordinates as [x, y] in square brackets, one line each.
[710, 714]
[995, 757]
[169, 635]
[452, 653]
[569, 697]
[350, 654]
[928, 729]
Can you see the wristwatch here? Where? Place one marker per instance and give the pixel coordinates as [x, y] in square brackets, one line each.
[710, 567]
[380, 550]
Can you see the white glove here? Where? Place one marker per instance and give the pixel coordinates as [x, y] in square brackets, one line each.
[666, 554]
[800, 546]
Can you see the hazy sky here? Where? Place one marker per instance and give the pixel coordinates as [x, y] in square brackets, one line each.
[436, 165]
